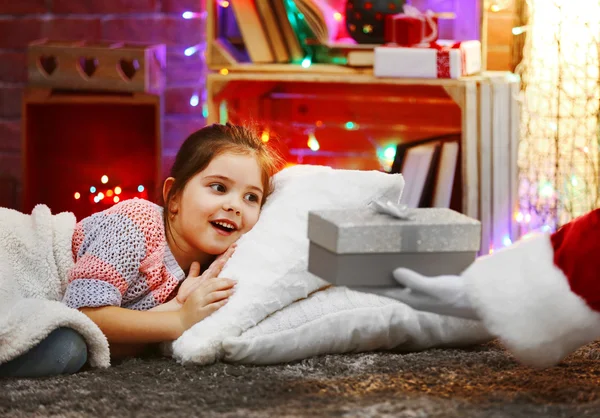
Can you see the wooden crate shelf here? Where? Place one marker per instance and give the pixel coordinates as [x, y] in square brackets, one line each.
[70, 140]
[467, 106]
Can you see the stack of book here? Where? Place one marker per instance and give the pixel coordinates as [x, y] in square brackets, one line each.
[288, 31]
[429, 167]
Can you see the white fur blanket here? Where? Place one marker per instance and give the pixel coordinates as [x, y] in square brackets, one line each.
[35, 256]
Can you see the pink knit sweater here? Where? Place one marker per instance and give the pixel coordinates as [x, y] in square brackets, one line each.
[122, 259]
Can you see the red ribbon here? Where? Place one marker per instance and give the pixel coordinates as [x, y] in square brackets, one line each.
[443, 58]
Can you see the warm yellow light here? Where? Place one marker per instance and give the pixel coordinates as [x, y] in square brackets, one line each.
[77, 195]
[224, 71]
[100, 196]
[116, 199]
[118, 190]
[224, 3]
[497, 5]
[338, 16]
[104, 179]
[265, 136]
[109, 193]
[312, 142]
[559, 119]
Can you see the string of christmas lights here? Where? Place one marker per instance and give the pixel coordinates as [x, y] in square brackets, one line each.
[559, 144]
[109, 194]
[284, 131]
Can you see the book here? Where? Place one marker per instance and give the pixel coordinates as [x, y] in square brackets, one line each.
[417, 168]
[252, 30]
[342, 53]
[360, 58]
[444, 182]
[430, 184]
[295, 51]
[271, 26]
[319, 16]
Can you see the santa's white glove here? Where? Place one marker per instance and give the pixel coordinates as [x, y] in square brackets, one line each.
[444, 295]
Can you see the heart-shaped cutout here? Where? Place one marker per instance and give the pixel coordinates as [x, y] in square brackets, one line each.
[129, 67]
[48, 63]
[88, 65]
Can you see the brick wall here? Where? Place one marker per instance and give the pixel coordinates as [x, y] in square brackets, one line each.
[157, 21]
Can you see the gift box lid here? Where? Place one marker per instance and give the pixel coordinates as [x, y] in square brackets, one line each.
[367, 231]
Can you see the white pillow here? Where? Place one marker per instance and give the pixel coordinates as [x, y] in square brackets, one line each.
[270, 262]
[340, 320]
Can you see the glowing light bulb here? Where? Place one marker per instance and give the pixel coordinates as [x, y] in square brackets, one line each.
[140, 188]
[338, 16]
[92, 189]
[187, 15]
[312, 142]
[265, 136]
[224, 3]
[194, 100]
[77, 195]
[190, 51]
[390, 152]
[224, 71]
[519, 30]
[100, 196]
[116, 199]
[109, 193]
[306, 62]
[104, 179]
[118, 190]
[506, 241]
[519, 217]
[574, 181]
[547, 190]
[204, 110]
[351, 125]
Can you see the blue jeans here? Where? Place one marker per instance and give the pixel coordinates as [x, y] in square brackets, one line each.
[63, 351]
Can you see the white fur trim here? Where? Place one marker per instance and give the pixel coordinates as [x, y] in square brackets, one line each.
[525, 300]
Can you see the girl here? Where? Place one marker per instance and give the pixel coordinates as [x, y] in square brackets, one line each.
[131, 260]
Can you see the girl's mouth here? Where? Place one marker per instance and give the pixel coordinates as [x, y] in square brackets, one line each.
[223, 228]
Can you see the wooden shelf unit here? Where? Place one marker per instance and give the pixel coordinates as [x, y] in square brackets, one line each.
[484, 196]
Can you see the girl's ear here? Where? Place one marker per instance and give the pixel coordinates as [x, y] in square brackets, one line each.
[172, 205]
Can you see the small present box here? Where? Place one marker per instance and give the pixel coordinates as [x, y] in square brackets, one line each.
[408, 30]
[441, 59]
[361, 248]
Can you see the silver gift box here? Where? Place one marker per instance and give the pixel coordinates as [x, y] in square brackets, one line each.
[361, 248]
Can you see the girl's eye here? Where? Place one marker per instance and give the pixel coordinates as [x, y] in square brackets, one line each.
[218, 187]
[252, 197]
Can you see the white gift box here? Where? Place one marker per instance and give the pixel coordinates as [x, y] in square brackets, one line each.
[443, 59]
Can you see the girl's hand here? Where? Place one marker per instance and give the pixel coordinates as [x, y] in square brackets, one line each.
[193, 280]
[210, 295]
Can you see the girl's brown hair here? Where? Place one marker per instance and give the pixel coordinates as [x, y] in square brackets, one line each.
[199, 149]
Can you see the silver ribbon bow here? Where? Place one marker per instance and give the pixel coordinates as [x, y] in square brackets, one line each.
[396, 210]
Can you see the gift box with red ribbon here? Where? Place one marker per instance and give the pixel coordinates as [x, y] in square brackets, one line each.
[441, 59]
[410, 29]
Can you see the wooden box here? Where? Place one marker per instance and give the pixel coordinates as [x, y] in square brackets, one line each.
[70, 141]
[97, 66]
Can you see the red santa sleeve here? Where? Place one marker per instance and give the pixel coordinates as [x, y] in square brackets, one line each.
[541, 296]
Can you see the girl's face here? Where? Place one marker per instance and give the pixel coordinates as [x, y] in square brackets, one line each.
[216, 207]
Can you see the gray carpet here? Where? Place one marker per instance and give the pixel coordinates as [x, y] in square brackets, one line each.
[480, 382]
